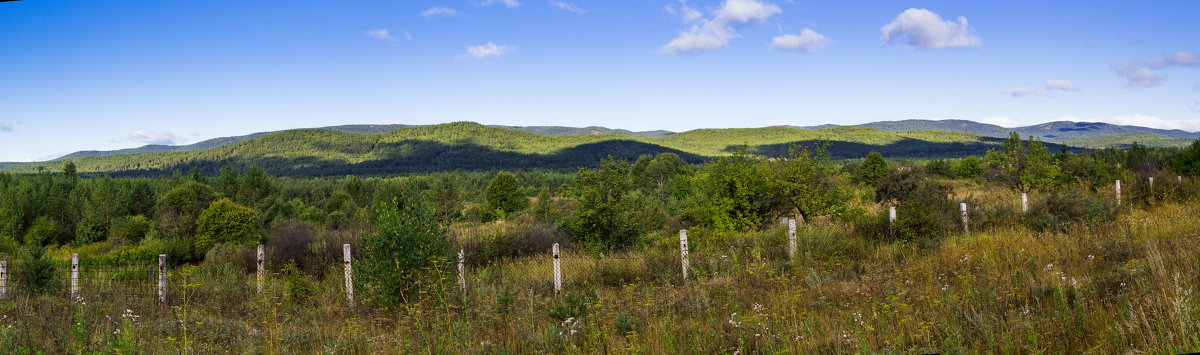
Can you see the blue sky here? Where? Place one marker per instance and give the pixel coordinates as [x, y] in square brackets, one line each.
[115, 74]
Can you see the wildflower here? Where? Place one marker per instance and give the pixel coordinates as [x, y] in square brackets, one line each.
[1090, 257]
[1049, 267]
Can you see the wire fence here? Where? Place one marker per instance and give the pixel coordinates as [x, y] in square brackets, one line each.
[562, 268]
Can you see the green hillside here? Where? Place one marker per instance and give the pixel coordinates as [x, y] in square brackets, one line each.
[1126, 140]
[471, 146]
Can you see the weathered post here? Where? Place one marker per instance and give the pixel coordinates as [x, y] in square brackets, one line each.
[1179, 179]
[1024, 202]
[74, 276]
[792, 240]
[1151, 187]
[892, 214]
[349, 274]
[963, 207]
[557, 271]
[262, 256]
[162, 279]
[1118, 192]
[462, 271]
[683, 252]
[3, 279]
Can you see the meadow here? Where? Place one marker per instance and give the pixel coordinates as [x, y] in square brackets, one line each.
[1077, 271]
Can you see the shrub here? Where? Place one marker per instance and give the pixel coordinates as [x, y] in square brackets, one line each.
[573, 304]
[408, 256]
[289, 245]
[503, 243]
[1059, 212]
[872, 170]
[225, 222]
[130, 229]
[38, 272]
[504, 195]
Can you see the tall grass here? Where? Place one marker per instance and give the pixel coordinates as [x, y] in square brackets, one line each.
[1119, 286]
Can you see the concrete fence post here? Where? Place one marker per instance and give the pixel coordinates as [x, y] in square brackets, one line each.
[966, 227]
[462, 270]
[162, 279]
[683, 252]
[3, 279]
[557, 270]
[892, 214]
[262, 256]
[1024, 202]
[74, 276]
[792, 240]
[349, 274]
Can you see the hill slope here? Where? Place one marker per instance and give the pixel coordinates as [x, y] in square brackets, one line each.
[1127, 140]
[1058, 131]
[471, 146]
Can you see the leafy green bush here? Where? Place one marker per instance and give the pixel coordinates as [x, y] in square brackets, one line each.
[504, 195]
[38, 273]
[573, 304]
[226, 222]
[1058, 212]
[130, 229]
[407, 257]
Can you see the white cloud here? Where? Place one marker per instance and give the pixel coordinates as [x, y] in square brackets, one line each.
[1061, 84]
[921, 28]
[684, 12]
[807, 41]
[709, 34]
[1143, 74]
[408, 36]
[382, 34]
[1138, 76]
[488, 50]
[153, 137]
[1023, 91]
[8, 127]
[566, 6]
[508, 3]
[439, 11]
[1179, 58]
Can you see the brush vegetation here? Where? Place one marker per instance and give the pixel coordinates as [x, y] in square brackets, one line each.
[1077, 272]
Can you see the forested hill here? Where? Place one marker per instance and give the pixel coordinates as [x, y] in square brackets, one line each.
[471, 146]
[1059, 131]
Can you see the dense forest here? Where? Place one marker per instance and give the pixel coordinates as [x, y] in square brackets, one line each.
[474, 147]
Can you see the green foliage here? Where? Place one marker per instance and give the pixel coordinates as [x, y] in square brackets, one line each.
[608, 213]
[226, 222]
[38, 273]
[407, 257]
[1187, 162]
[130, 228]
[1059, 212]
[573, 304]
[297, 289]
[970, 167]
[504, 195]
[179, 208]
[923, 212]
[1021, 167]
[872, 170]
[40, 231]
[808, 185]
[732, 193]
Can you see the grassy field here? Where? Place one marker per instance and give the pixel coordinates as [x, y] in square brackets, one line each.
[1122, 286]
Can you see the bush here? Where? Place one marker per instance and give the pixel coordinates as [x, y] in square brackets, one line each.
[408, 257]
[225, 222]
[130, 229]
[289, 245]
[38, 273]
[502, 243]
[1059, 212]
[504, 195]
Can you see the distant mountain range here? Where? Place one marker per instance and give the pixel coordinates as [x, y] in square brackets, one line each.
[1058, 131]
[390, 149]
[356, 128]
